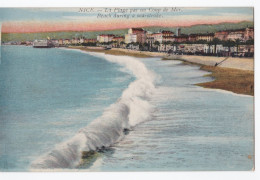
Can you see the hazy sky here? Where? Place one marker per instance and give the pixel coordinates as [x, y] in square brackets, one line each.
[73, 19]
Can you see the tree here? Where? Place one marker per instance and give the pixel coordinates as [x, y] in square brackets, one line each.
[210, 43]
[215, 42]
[166, 43]
[229, 44]
[157, 43]
[175, 43]
[201, 42]
[122, 43]
[146, 45]
[128, 45]
[250, 42]
[237, 42]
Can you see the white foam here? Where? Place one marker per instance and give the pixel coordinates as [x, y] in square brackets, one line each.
[132, 108]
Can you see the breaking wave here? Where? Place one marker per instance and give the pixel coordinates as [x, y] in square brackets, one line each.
[130, 109]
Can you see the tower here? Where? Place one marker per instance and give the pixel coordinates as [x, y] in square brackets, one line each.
[178, 31]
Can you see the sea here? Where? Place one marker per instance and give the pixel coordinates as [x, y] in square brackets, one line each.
[69, 110]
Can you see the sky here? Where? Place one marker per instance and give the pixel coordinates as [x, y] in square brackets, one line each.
[26, 20]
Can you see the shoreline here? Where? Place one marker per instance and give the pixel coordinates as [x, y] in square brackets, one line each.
[230, 74]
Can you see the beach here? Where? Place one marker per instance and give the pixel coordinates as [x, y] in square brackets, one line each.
[231, 73]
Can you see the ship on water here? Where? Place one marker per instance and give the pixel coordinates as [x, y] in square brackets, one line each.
[43, 44]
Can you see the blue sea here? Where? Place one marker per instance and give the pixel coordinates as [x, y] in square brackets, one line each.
[78, 111]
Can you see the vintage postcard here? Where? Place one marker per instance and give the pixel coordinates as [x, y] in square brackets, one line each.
[127, 89]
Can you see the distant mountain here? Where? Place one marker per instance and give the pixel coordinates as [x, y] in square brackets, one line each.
[204, 28]
[121, 32]
[57, 35]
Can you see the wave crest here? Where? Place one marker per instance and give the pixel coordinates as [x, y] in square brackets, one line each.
[131, 109]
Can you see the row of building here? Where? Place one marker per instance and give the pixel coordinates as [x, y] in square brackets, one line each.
[140, 39]
[55, 42]
[139, 35]
[240, 50]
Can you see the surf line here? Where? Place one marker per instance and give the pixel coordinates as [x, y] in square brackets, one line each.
[131, 109]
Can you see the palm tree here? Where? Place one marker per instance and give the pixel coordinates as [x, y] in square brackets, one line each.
[229, 44]
[215, 42]
[122, 43]
[157, 43]
[210, 43]
[175, 43]
[146, 45]
[237, 42]
[164, 44]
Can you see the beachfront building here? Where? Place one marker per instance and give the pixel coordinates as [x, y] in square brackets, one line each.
[242, 34]
[166, 34]
[158, 37]
[149, 40]
[149, 37]
[55, 42]
[130, 38]
[66, 41]
[208, 49]
[221, 35]
[75, 41]
[192, 37]
[190, 48]
[167, 47]
[90, 40]
[163, 36]
[181, 38]
[249, 34]
[117, 40]
[60, 42]
[105, 38]
[235, 35]
[135, 35]
[193, 48]
[205, 37]
[246, 48]
[28, 43]
[211, 49]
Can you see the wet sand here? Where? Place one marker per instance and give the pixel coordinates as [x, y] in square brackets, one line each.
[228, 62]
[231, 74]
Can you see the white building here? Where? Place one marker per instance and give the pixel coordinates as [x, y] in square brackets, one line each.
[135, 35]
[158, 37]
[167, 47]
[211, 49]
[129, 38]
[105, 38]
